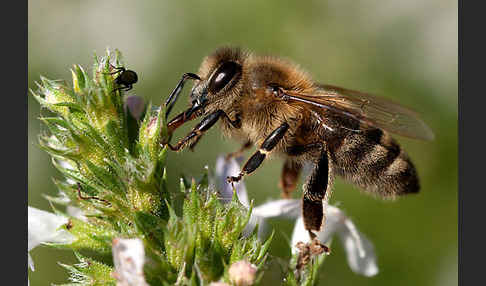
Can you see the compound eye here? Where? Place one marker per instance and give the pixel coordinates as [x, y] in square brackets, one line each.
[225, 73]
[274, 89]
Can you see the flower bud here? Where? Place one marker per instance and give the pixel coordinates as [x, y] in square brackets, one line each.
[218, 284]
[242, 273]
[135, 106]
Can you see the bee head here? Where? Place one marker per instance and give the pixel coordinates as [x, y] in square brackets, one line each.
[220, 74]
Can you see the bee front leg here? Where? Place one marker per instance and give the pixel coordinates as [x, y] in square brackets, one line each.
[200, 128]
[177, 90]
[193, 144]
[316, 191]
[257, 158]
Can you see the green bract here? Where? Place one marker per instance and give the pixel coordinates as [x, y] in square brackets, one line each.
[121, 168]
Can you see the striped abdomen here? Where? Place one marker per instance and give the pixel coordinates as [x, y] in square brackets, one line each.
[372, 160]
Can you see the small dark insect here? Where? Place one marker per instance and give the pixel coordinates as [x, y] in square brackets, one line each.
[69, 224]
[273, 104]
[125, 79]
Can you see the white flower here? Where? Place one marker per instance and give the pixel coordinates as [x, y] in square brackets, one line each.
[225, 169]
[43, 227]
[129, 258]
[359, 250]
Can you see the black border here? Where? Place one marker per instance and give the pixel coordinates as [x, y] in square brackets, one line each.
[472, 192]
[15, 130]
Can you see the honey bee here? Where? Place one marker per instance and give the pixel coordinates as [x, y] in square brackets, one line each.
[273, 104]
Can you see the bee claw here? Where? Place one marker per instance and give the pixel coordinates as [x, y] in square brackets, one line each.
[318, 248]
[231, 179]
[309, 250]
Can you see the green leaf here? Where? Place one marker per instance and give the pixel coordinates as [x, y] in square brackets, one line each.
[80, 79]
[89, 272]
[88, 236]
[152, 227]
[71, 105]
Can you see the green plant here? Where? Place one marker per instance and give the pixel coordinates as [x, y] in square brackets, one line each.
[116, 212]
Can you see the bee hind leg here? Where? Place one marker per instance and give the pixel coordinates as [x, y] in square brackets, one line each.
[291, 169]
[315, 193]
[290, 175]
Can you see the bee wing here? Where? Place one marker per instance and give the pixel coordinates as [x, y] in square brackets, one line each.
[368, 109]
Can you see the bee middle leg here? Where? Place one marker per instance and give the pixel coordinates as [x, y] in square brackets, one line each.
[291, 169]
[257, 158]
[235, 123]
[239, 152]
[290, 175]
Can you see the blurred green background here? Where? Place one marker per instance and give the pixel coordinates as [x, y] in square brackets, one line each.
[403, 50]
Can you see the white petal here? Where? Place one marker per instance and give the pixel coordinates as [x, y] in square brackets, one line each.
[299, 234]
[290, 208]
[129, 258]
[225, 168]
[359, 250]
[30, 262]
[43, 227]
[333, 221]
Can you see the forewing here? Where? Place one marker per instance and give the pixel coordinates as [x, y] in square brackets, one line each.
[369, 109]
